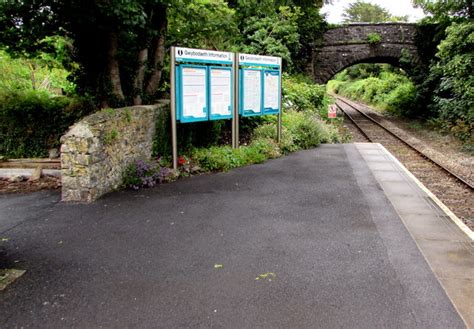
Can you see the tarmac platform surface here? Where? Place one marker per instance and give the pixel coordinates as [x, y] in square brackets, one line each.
[317, 239]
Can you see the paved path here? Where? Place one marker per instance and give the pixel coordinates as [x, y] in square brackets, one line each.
[317, 219]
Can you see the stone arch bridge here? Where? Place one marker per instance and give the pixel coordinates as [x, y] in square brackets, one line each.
[348, 45]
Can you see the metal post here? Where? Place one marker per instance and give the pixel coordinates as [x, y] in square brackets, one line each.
[235, 120]
[280, 114]
[174, 137]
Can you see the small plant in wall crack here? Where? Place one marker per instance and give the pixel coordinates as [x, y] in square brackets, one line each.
[374, 38]
[110, 136]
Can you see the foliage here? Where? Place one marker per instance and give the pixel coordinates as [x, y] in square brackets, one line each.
[203, 24]
[275, 34]
[388, 91]
[111, 42]
[443, 9]
[361, 11]
[302, 94]
[40, 73]
[285, 28]
[374, 38]
[223, 158]
[143, 174]
[454, 96]
[303, 126]
[31, 122]
[301, 130]
[116, 50]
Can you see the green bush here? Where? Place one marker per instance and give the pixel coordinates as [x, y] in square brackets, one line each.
[454, 96]
[224, 158]
[32, 122]
[388, 91]
[300, 130]
[303, 95]
[42, 73]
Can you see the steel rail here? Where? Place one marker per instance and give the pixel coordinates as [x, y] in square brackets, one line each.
[355, 124]
[449, 172]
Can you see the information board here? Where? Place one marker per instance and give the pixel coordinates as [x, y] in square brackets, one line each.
[193, 92]
[211, 85]
[259, 60]
[271, 91]
[221, 99]
[251, 92]
[203, 56]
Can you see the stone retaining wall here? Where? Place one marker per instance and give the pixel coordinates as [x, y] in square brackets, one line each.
[96, 151]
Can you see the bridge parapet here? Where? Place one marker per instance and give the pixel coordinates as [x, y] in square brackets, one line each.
[402, 33]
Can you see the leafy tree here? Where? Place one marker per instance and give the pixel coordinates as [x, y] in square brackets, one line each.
[454, 96]
[275, 34]
[42, 73]
[286, 28]
[361, 11]
[203, 24]
[116, 49]
[443, 9]
[119, 44]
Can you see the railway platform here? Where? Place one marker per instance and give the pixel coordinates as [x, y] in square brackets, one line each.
[341, 236]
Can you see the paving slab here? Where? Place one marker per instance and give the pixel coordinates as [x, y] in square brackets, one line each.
[316, 228]
[444, 240]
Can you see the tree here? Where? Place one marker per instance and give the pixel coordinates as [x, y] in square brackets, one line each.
[203, 24]
[275, 34]
[361, 11]
[119, 45]
[454, 95]
[286, 28]
[442, 9]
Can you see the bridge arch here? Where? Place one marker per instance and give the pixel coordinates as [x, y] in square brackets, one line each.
[349, 45]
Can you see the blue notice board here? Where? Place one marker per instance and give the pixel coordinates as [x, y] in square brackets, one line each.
[251, 92]
[271, 91]
[221, 96]
[192, 93]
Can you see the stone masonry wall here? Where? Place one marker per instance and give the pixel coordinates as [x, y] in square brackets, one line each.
[96, 151]
[348, 45]
[402, 33]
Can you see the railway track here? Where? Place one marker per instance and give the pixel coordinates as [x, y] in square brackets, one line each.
[456, 192]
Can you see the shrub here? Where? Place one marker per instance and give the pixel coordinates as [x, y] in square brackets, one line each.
[303, 95]
[387, 91]
[224, 158]
[454, 96]
[142, 174]
[31, 122]
[217, 158]
[300, 130]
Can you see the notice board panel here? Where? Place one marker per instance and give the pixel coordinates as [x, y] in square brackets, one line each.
[271, 91]
[220, 93]
[251, 92]
[192, 93]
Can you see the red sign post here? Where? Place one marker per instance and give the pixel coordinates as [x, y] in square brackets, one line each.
[332, 111]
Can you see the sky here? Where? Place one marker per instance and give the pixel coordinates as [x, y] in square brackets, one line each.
[396, 8]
